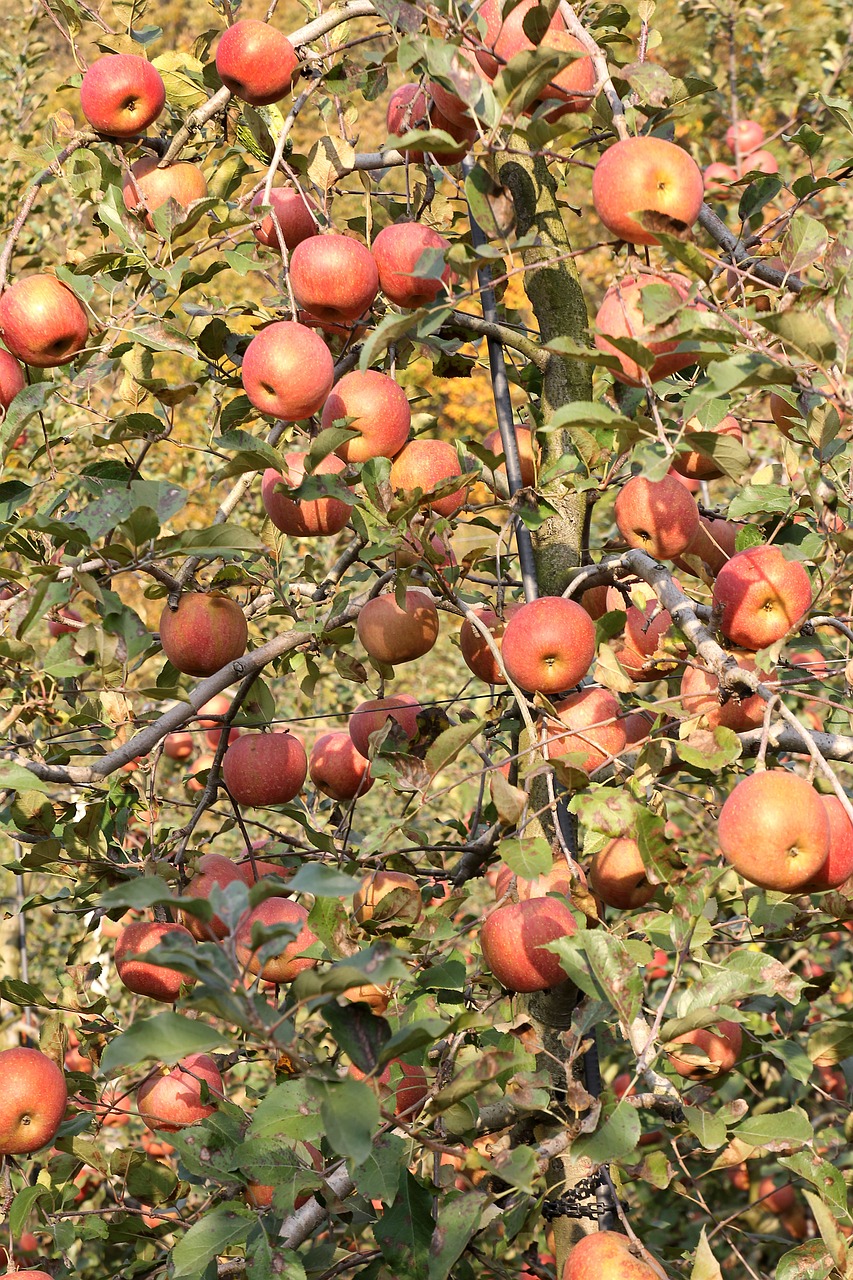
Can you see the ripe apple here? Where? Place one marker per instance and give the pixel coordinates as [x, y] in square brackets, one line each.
[700, 696]
[698, 466]
[141, 976]
[31, 1275]
[548, 645]
[558, 879]
[760, 162]
[744, 137]
[32, 1101]
[256, 62]
[638, 728]
[146, 187]
[211, 869]
[714, 545]
[590, 721]
[295, 215]
[606, 1255]
[573, 86]
[377, 408]
[513, 940]
[617, 875]
[204, 633]
[337, 769]
[646, 175]
[505, 36]
[218, 705]
[411, 1089]
[404, 905]
[774, 830]
[717, 178]
[645, 632]
[287, 370]
[304, 517]
[375, 997]
[838, 867]
[424, 465]
[63, 623]
[761, 596]
[122, 94]
[43, 322]
[477, 654]
[371, 715]
[722, 1048]
[334, 277]
[265, 768]
[12, 379]
[397, 250]
[202, 764]
[527, 453]
[785, 414]
[412, 107]
[171, 1099]
[391, 634]
[621, 316]
[656, 516]
[288, 961]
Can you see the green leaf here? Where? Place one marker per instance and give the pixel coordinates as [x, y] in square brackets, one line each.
[414, 1035]
[729, 455]
[527, 858]
[23, 1205]
[359, 1032]
[708, 1129]
[757, 195]
[810, 1261]
[217, 539]
[711, 749]
[805, 333]
[378, 1177]
[221, 1226]
[158, 336]
[388, 332]
[16, 777]
[759, 499]
[615, 1139]
[449, 744]
[780, 1128]
[117, 503]
[828, 1180]
[804, 242]
[287, 1110]
[140, 893]
[705, 1265]
[404, 1232]
[168, 1036]
[350, 1113]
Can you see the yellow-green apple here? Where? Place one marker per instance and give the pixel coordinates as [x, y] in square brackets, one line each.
[219, 705]
[646, 175]
[295, 216]
[700, 696]
[699, 466]
[399, 894]
[477, 654]
[178, 746]
[761, 596]
[170, 1099]
[372, 714]
[288, 370]
[621, 316]
[265, 768]
[32, 1101]
[337, 769]
[122, 94]
[412, 107]
[43, 321]
[141, 976]
[424, 465]
[656, 516]
[505, 37]
[717, 177]
[204, 633]
[718, 1049]
[12, 379]
[760, 162]
[744, 137]
[617, 875]
[838, 867]
[211, 869]
[393, 634]
[376, 407]
[334, 277]
[527, 453]
[397, 250]
[589, 722]
[288, 960]
[303, 517]
[548, 645]
[606, 1255]
[63, 623]
[146, 188]
[514, 938]
[256, 62]
[714, 545]
[774, 830]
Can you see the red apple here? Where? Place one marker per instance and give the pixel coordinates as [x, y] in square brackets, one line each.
[645, 631]
[178, 746]
[722, 1047]
[700, 696]
[656, 516]
[477, 654]
[527, 453]
[606, 1255]
[337, 769]
[505, 36]
[617, 875]
[334, 277]
[513, 940]
[12, 379]
[391, 634]
[412, 107]
[32, 1101]
[256, 62]
[621, 316]
[204, 633]
[171, 1099]
[717, 178]
[424, 465]
[377, 408]
[838, 867]
[573, 86]
[219, 705]
[43, 322]
[146, 187]
[698, 466]
[760, 162]
[265, 768]
[761, 596]
[288, 961]
[646, 175]
[294, 213]
[396, 251]
[63, 623]
[212, 869]
[558, 879]
[371, 715]
[744, 137]
[590, 722]
[201, 765]
[304, 517]
[122, 94]
[774, 830]
[714, 545]
[411, 1090]
[287, 370]
[404, 905]
[548, 645]
[141, 976]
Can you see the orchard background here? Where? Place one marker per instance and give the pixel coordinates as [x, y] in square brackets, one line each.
[394, 1110]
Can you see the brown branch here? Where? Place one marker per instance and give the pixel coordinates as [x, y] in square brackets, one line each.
[599, 61]
[502, 333]
[734, 247]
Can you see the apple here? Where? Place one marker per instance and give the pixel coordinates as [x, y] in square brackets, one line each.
[548, 645]
[838, 867]
[288, 961]
[513, 940]
[265, 768]
[376, 407]
[477, 654]
[304, 517]
[714, 545]
[760, 162]
[424, 465]
[337, 769]
[573, 86]
[404, 905]
[527, 453]
[744, 137]
[785, 414]
[12, 379]
[201, 765]
[590, 722]
[375, 997]
[700, 696]
[31, 1275]
[146, 188]
[698, 466]
[43, 321]
[287, 370]
[646, 175]
[63, 623]
[558, 879]
[761, 596]
[621, 316]
[774, 830]
[170, 1099]
[392, 634]
[334, 277]
[617, 875]
[372, 714]
[256, 62]
[397, 250]
[505, 37]
[211, 869]
[434, 551]
[141, 976]
[722, 1048]
[219, 705]
[246, 869]
[645, 631]
[122, 94]
[204, 633]
[412, 107]
[638, 728]
[294, 213]
[32, 1101]
[411, 1089]
[656, 516]
[717, 177]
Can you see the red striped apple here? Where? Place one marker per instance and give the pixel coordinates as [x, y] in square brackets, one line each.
[265, 768]
[43, 321]
[392, 634]
[287, 370]
[334, 277]
[761, 596]
[548, 645]
[376, 407]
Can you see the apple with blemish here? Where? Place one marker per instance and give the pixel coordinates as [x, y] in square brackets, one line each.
[372, 715]
[204, 633]
[393, 634]
[646, 175]
[265, 768]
